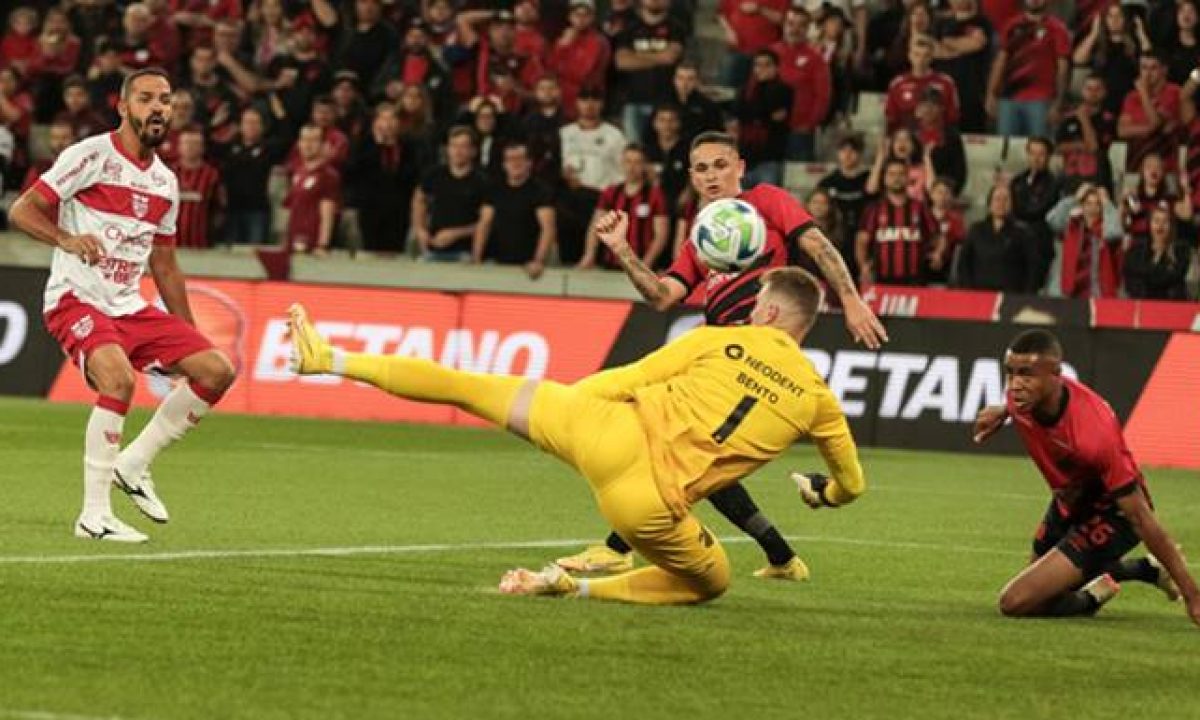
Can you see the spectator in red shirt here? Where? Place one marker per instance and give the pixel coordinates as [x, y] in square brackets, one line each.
[197, 18]
[57, 57]
[137, 46]
[16, 105]
[750, 26]
[898, 241]
[313, 196]
[20, 43]
[59, 138]
[497, 56]
[1151, 116]
[802, 66]
[643, 202]
[335, 144]
[580, 57]
[529, 40]
[1089, 229]
[201, 195]
[77, 109]
[906, 91]
[949, 218]
[1030, 74]
[164, 33]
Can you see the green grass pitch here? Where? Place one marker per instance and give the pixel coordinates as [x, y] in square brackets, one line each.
[340, 570]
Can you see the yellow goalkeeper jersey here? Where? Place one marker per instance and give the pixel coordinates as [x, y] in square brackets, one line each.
[719, 402]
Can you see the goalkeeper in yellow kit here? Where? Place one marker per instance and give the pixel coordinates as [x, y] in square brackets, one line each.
[654, 437]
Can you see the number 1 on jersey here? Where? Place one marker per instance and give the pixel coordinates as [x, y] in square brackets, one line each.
[721, 434]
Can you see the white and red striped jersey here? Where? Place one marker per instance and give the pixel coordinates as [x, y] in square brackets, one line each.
[128, 205]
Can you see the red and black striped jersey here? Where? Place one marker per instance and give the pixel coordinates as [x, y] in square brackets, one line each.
[900, 238]
[197, 201]
[642, 207]
[1136, 209]
[729, 297]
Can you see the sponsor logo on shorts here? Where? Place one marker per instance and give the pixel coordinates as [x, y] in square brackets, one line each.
[113, 438]
[83, 327]
[193, 418]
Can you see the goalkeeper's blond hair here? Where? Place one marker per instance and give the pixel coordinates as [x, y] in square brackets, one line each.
[798, 288]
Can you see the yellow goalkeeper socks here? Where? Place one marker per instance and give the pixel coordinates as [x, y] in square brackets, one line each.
[486, 396]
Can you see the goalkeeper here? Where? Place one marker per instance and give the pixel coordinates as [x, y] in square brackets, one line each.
[654, 437]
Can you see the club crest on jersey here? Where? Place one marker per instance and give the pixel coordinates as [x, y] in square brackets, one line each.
[141, 205]
[83, 327]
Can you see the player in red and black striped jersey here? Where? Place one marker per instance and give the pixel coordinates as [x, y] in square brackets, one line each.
[201, 196]
[1100, 508]
[646, 207]
[898, 240]
[716, 173]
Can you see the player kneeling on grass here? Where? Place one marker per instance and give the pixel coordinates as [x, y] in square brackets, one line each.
[654, 437]
[1100, 509]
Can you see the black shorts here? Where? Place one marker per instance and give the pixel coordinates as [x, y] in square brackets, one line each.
[1092, 544]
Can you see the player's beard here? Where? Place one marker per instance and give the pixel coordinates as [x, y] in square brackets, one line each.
[150, 135]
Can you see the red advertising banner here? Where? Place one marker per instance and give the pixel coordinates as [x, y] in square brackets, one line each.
[1146, 314]
[512, 335]
[933, 303]
[1164, 428]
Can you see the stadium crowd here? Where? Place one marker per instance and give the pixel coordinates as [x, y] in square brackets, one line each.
[496, 130]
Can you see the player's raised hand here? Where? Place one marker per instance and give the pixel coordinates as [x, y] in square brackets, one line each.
[988, 422]
[863, 325]
[612, 229]
[87, 247]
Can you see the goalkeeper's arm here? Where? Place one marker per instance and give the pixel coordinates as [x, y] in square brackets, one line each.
[845, 481]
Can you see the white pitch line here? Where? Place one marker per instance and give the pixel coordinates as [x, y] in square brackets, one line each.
[46, 715]
[442, 547]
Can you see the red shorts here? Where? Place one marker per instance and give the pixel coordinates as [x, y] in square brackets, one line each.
[151, 338]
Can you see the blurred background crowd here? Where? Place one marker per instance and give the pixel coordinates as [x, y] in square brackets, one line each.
[1027, 146]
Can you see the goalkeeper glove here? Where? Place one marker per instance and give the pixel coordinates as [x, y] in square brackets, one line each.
[812, 489]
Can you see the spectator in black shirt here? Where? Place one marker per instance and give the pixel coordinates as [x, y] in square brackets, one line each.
[941, 140]
[667, 154]
[1084, 136]
[847, 185]
[1035, 191]
[382, 175]
[414, 63]
[516, 222]
[763, 109]
[697, 113]
[1180, 40]
[301, 75]
[365, 46]
[964, 52]
[246, 171]
[644, 55]
[541, 129]
[1155, 270]
[445, 206]
[999, 253]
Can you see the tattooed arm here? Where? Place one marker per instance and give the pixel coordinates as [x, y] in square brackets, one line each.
[863, 325]
[661, 293]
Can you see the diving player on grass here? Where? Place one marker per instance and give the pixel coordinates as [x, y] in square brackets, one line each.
[1100, 507]
[651, 438]
[716, 172]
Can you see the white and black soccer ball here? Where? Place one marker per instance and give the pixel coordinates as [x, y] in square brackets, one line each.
[729, 235]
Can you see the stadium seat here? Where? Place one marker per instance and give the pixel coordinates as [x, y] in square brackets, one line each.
[800, 178]
[868, 114]
[1117, 153]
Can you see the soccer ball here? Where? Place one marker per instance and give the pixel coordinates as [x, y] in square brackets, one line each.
[729, 234]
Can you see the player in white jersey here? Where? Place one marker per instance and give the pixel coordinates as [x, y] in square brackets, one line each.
[108, 206]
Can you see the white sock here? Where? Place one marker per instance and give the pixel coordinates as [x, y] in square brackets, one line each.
[177, 414]
[102, 442]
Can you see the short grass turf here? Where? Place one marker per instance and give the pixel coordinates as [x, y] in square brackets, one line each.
[392, 612]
